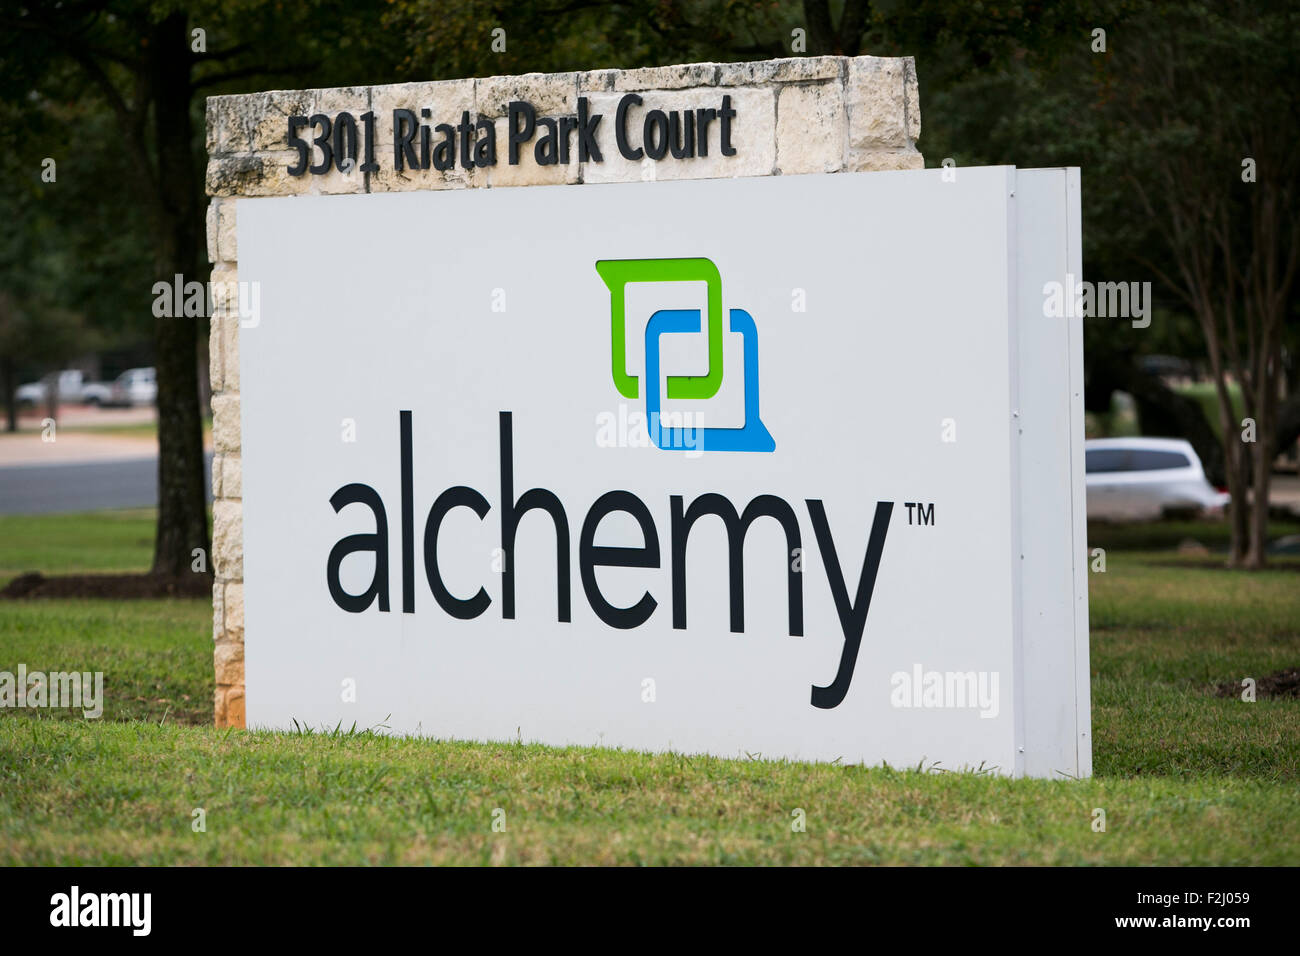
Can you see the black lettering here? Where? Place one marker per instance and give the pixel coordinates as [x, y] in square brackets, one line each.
[368, 120]
[727, 114]
[654, 134]
[567, 125]
[485, 150]
[424, 143]
[464, 129]
[322, 142]
[547, 150]
[404, 126]
[590, 557]
[408, 516]
[703, 118]
[297, 142]
[376, 543]
[737, 527]
[853, 616]
[512, 511]
[620, 126]
[588, 149]
[464, 609]
[520, 133]
[444, 153]
[682, 147]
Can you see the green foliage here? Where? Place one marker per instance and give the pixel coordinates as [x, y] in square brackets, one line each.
[456, 38]
[63, 291]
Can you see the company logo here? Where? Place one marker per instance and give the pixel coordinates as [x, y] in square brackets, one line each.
[663, 545]
[617, 275]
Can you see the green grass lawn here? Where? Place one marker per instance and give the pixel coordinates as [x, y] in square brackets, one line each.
[106, 541]
[1157, 536]
[125, 429]
[1185, 777]
[147, 429]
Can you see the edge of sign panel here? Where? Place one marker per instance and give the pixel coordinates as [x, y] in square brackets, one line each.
[1078, 511]
[1019, 388]
[1053, 724]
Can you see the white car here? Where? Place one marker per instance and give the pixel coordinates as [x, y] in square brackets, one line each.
[1135, 479]
[72, 386]
[135, 386]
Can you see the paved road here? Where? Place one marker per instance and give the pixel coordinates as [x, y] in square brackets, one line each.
[84, 486]
[132, 482]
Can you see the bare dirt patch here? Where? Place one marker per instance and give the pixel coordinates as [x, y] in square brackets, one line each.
[1278, 685]
[111, 586]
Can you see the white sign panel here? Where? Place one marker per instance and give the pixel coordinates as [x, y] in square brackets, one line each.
[788, 466]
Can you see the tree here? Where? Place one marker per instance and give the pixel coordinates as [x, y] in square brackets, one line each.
[1210, 96]
[32, 337]
[1162, 120]
[147, 64]
[454, 38]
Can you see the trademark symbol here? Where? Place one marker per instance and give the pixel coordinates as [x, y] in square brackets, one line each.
[924, 514]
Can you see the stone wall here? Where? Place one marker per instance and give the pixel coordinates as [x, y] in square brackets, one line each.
[801, 115]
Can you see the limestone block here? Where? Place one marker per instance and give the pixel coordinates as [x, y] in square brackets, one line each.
[234, 618]
[551, 94]
[795, 69]
[810, 128]
[230, 352]
[876, 99]
[884, 160]
[218, 609]
[227, 249]
[228, 658]
[235, 706]
[232, 476]
[260, 174]
[676, 77]
[210, 229]
[216, 378]
[228, 539]
[225, 422]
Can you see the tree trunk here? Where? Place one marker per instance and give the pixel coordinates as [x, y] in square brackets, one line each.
[1257, 553]
[182, 506]
[52, 396]
[1266, 403]
[823, 34]
[1236, 467]
[11, 397]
